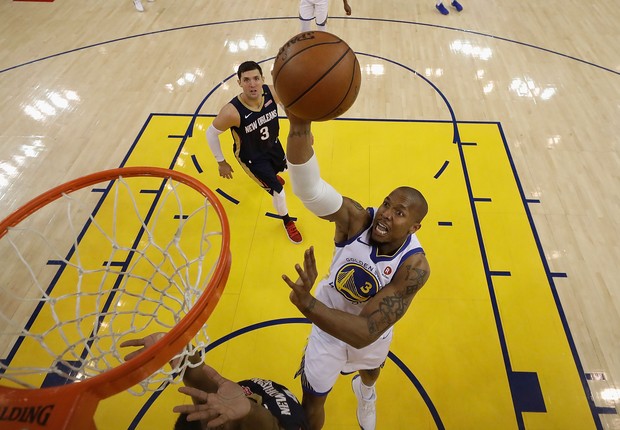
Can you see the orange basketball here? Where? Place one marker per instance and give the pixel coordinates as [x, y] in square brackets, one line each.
[316, 76]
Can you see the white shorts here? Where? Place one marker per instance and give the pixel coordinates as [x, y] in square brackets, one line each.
[317, 9]
[326, 358]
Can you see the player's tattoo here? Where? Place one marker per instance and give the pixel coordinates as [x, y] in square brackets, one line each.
[311, 305]
[299, 133]
[357, 205]
[415, 279]
[392, 308]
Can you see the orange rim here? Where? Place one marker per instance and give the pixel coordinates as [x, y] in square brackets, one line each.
[131, 372]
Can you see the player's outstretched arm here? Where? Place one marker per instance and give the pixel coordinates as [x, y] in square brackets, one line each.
[378, 314]
[299, 141]
[194, 376]
[227, 404]
[225, 399]
[316, 194]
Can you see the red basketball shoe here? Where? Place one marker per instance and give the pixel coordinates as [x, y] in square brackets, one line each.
[293, 234]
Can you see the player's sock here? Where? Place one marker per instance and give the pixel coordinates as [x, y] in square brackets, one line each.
[367, 392]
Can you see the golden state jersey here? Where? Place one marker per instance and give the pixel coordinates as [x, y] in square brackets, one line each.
[358, 271]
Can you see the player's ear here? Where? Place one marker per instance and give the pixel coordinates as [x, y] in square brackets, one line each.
[417, 226]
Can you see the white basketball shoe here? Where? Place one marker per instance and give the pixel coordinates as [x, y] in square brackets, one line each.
[366, 411]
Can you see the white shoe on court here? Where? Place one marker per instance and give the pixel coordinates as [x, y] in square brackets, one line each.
[138, 5]
[366, 412]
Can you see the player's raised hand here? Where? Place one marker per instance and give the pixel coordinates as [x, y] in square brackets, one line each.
[228, 404]
[144, 342]
[300, 290]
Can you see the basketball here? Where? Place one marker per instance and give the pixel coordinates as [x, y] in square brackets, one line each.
[316, 75]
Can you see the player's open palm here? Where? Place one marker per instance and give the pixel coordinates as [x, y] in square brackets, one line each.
[228, 404]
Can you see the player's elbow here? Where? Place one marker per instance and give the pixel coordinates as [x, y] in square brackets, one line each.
[363, 340]
[316, 194]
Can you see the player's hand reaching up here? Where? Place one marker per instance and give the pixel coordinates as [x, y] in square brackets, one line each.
[228, 404]
[300, 290]
[145, 343]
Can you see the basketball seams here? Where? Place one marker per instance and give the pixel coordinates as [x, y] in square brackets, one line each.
[327, 72]
[312, 84]
[346, 95]
[316, 45]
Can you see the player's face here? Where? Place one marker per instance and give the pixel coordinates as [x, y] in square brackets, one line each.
[252, 84]
[395, 220]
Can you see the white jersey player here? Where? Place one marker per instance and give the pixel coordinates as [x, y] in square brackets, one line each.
[378, 267]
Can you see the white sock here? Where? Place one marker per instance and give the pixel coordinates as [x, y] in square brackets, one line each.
[279, 202]
[367, 391]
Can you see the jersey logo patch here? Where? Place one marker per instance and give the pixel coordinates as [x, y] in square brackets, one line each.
[247, 116]
[355, 283]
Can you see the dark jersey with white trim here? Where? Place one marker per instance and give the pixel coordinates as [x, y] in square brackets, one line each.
[279, 400]
[258, 132]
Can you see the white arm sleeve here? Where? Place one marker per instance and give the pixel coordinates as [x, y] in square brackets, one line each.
[213, 138]
[316, 194]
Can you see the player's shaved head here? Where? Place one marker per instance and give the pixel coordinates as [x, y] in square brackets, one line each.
[418, 202]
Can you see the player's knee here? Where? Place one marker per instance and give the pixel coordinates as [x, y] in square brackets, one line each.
[313, 402]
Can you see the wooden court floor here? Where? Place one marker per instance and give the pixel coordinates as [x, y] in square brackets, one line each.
[510, 131]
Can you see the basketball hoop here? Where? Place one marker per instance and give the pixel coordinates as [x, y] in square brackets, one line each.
[114, 255]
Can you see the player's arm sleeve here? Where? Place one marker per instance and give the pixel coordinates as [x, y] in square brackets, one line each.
[317, 195]
[213, 138]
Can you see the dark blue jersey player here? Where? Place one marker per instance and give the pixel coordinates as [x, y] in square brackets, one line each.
[252, 404]
[252, 117]
[217, 402]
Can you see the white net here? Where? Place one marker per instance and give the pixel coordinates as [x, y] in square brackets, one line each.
[104, 264]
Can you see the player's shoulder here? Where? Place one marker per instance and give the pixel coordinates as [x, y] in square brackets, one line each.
[351, 219]
[358, 213]
[229, 113]
[355, 208]
[418, 262]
